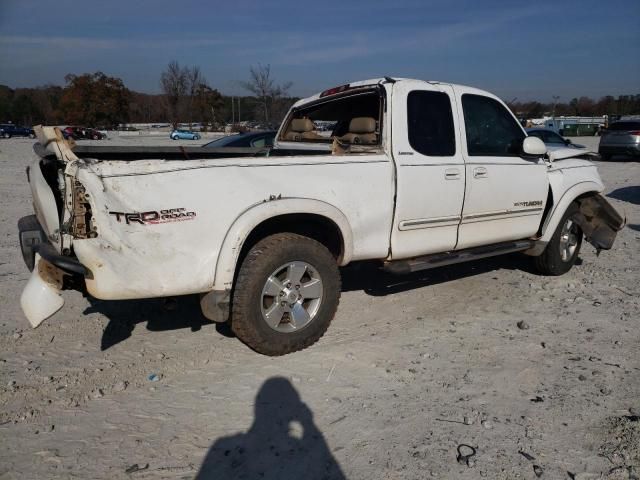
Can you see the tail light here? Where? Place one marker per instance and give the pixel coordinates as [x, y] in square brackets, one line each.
[634, 132]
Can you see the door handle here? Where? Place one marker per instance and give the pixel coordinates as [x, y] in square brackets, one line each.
[480, 172]
[452, 174]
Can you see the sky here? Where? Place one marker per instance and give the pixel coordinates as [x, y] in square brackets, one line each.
[524, 50]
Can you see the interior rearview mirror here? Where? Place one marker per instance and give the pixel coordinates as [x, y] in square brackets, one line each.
[533, 147]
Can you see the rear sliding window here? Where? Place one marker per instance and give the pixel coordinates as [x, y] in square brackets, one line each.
[622, 126]
[430, 123]
[491, 129]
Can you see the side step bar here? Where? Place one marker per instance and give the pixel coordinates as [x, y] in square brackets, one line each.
[402, 267]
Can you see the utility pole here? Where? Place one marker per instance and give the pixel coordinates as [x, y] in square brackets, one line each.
[239, 119]
[233, 110]
[555, 101]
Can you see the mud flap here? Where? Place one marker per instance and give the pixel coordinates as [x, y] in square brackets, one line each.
[41, 296]
[599, 221]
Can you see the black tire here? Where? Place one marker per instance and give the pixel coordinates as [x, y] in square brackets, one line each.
[261, 263]
[6, 135]
[552, 261]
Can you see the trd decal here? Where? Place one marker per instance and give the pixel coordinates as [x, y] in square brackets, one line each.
[533, 203]
[154, 217]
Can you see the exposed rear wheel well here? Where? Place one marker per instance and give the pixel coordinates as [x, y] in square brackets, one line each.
[313, 226]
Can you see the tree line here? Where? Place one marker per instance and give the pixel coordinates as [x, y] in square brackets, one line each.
[581, 107]
[98, 100]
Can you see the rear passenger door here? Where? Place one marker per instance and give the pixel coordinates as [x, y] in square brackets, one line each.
[505, 194]
[430, 169]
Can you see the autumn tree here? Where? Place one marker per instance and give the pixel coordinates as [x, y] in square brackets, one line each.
[95, 100]
[207, 104]
[268, 93]
[174, 85]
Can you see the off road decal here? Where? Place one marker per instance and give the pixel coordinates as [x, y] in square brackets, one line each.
[533, 203]
[154, 217]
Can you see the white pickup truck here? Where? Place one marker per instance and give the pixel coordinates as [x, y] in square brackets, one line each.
[410, 173]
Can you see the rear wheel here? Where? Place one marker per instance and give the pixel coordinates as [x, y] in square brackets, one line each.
[6, 135]
[286, 294]
[562, 250]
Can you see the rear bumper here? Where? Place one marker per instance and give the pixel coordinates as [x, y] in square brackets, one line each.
[629, 149]
[33, 240]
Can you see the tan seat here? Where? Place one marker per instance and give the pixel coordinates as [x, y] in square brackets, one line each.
[301, 129]
[362, 130]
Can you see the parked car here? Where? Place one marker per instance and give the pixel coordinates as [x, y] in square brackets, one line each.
[621, 138]
[444, 174]
[83, 133]
[8, 130]
[184, 135]
[247, 140]
[552, 140]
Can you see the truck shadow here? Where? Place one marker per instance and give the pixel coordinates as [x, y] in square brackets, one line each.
[159, 314]
[184, 312]
[282, 442]
[369, 278]
[627, 194]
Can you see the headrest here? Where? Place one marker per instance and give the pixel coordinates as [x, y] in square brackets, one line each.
[301, 125]
[362, 125]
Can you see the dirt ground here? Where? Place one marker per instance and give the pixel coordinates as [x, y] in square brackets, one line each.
[411, 368]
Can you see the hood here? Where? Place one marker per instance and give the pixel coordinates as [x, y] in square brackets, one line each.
[560, 153]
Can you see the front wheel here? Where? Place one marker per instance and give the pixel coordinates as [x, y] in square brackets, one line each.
[286, 294]
[6, 135]
[562, 250]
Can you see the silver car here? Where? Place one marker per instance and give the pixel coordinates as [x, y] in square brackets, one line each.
[621, 138]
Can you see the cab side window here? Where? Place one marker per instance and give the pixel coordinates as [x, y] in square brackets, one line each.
[491, 129]
[430, 123]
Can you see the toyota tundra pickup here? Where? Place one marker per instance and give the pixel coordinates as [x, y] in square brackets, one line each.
[408, 173]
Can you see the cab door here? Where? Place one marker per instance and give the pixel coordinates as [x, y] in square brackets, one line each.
[505, 193]
[430, 173]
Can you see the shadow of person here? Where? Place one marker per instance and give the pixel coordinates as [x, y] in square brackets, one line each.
[282, 443]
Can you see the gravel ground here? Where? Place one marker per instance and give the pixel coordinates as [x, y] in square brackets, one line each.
[541, 376]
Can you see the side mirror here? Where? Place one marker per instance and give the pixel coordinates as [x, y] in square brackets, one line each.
[533, 147]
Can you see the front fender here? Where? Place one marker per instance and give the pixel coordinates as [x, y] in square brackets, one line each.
[560, 206]
[255, 215]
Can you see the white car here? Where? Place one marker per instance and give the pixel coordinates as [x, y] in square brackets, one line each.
[413, 175]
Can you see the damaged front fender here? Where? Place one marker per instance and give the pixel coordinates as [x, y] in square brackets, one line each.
[599, 221]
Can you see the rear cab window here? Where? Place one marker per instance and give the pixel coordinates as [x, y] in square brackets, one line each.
[351, 119]
[430, 123]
